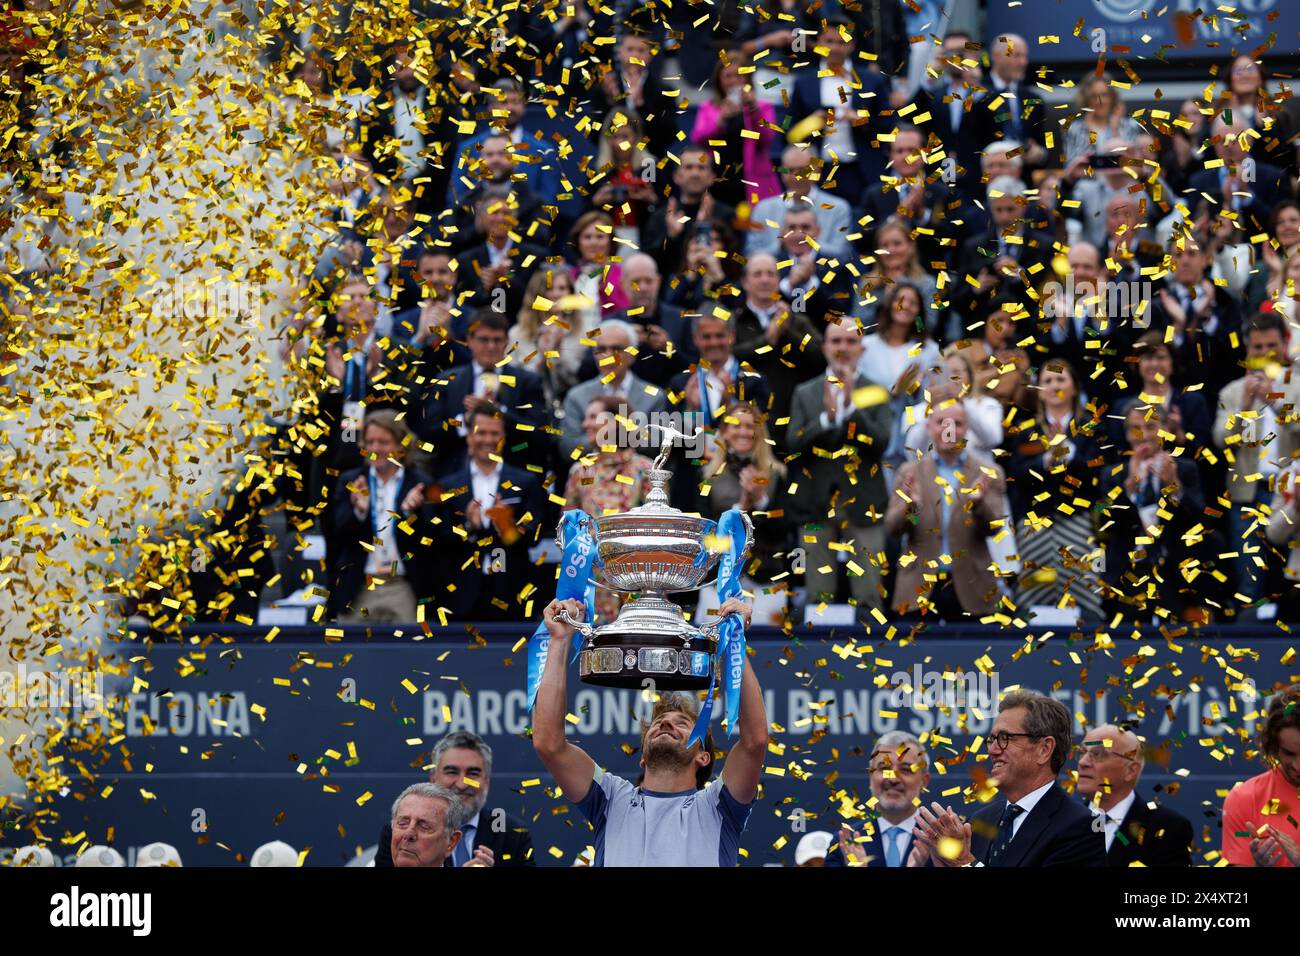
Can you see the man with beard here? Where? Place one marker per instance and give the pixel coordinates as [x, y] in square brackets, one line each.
[1259, 815]
[462, 764]
[675, 816]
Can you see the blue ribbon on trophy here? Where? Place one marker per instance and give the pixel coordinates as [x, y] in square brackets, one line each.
[731, 630]
[575, 582]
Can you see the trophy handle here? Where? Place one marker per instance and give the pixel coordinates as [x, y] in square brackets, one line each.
[582, 627]
[749, 541]
[559, 530]
[559, 542]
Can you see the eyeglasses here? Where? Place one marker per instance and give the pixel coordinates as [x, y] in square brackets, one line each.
[1002, 738]
[607, 348]
[1099, 751]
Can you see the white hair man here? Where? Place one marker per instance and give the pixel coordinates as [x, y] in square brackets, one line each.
[426, 822]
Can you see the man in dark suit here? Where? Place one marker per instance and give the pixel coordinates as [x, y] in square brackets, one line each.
[494, 273]
[408, 134]
[532, 155]
[1007, 260]
[910, 193]
[492, 165]
[948, 101]
[1244, 185]
[462, 763]
[1204, 317]
[449, 398]
[850, 103]
[899, 774]
[664, 343]
[381, 566]
[1012, 109]
[839, 430]
[489, 516]
[779, 341]
[703, 392]
[1110, 764]
[1033, 822]
[688, 212]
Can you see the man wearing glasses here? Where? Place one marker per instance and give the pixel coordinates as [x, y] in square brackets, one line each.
[900, 771]
[1137, 832]
[1033, 822]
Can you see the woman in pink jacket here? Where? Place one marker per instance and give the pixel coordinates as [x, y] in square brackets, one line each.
[734, 109]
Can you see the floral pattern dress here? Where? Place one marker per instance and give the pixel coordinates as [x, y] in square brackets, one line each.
[610, 484]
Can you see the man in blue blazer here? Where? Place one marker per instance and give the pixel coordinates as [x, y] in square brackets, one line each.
[852, 132]
[1033, 822]
[900, 773]
[533, 155]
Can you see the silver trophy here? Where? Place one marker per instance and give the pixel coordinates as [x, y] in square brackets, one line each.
[651, 551]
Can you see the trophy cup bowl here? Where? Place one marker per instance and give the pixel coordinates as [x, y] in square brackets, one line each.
[652, 551]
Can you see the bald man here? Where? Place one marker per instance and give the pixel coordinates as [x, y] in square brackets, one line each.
[1138, 832]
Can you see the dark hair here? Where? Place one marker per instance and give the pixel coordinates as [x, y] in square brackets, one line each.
[727, 57]
[886, 308]
[1283, 712]
[613, 404]
[478, 411]
[1277, 212]
[1044, 717]
[1264, 322]
[489, 319]
[836, 21]
[1156, 340]
[1059, 365]
[682, 704]
[695, 148]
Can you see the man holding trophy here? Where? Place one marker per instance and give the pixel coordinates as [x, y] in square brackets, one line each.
[676, 817]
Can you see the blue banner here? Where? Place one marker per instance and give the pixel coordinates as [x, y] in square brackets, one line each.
[574, 582]
[731, 631]
[234, 740]
[1134, 27]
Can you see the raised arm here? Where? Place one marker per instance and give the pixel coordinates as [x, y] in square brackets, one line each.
[745, 760]
[572, 769]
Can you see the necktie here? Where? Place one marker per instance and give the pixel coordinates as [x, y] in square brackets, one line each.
[1004, 833]
[892, 855]
[461, 855]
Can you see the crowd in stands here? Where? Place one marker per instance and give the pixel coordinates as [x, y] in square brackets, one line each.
[959, 354]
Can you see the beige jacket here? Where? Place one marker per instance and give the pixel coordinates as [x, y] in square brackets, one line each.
[969, 526]
[1232, 433]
